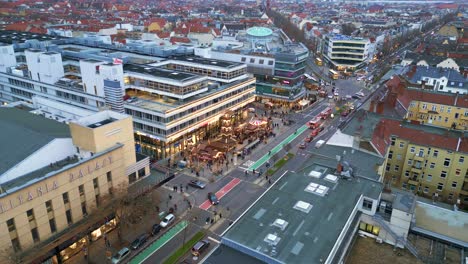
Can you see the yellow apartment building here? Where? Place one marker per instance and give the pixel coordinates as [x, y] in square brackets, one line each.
[428, 163]
[453, 114]
[54, 175]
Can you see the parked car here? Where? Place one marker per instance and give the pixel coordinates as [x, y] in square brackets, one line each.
[139, 241]
[303, 145]
[199, 247]
[168, 219]
[121, 255]
[156, 229]
[213, 199]
[355, 97]
[360, 94]
[197, 184]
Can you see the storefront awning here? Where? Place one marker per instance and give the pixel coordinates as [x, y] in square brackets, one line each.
[304, 102]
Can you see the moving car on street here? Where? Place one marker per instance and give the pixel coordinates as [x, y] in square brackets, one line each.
[213, 199]
[197, 184]
[200, 247]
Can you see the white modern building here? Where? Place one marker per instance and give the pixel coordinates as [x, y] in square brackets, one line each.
[173, 102]
[345, 52]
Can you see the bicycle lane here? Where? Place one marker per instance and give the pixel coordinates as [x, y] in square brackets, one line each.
[278, 148]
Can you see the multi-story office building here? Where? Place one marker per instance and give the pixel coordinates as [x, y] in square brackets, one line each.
[53, 175]
[277, 63]
[174, 102]
[426, 160]
[345, 52]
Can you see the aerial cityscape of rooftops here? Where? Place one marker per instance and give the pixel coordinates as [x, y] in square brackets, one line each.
[238, 131]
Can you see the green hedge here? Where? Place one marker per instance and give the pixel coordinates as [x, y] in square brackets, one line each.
[280, 163]
[182, 250]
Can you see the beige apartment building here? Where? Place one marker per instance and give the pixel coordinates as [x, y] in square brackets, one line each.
[55, 175]
[427, 162]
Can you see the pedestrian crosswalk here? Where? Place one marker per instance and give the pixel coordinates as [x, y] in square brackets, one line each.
[246, 165]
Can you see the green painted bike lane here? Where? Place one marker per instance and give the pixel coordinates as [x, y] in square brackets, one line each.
[159, 243]
[277, 149]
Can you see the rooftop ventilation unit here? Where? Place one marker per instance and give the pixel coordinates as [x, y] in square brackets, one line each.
[331, 178]
[317, 189]
[303, 206]
[280, 223]
[272, 239]
[315, 174]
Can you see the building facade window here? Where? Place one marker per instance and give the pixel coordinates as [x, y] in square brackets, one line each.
[65, 198]
[454, 184]
[11, 225]
[83, 208]
[69, 217]
[440, 186]
[95, 183]
[30, 214]
[461, 159]
[435, 153]
[81, 190]
[109, 176]
[447, 162]
[369, 228]
[457, 172]
[443, 174]
[426, 189]
[367, 204]
[53, 226]
[16, 245]
[387, 168]
[392, 141]
[432, 165]
[402, 144]
[410, 162]
[412, 149]
[49, 207]
[429, 178]
[35, 235]
[390, 154]
[397, 168]
[406, 173]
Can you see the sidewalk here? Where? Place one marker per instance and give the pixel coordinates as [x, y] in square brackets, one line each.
[97, 249]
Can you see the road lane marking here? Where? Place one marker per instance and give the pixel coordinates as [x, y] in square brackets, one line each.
[221, 193]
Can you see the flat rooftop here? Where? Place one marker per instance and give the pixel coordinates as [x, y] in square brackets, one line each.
[161, 73]
[23, 133]
[364, 123]
[10, 37]
[208, 62]
[102, 123]
[338, 37]
[157, 103]
[300, 218]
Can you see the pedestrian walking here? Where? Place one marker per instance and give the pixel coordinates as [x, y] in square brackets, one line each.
[269, 153]
[85, 252]
[175, 207]
[175, 187]
[246, 173]
[269, 181]
[220, 216]
[207, 220]
[266, 177]
[186, 188]
[170, 197]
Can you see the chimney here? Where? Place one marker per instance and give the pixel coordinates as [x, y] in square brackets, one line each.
[423, 84]
[339, 168]
[372, 106]
[380, 107]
